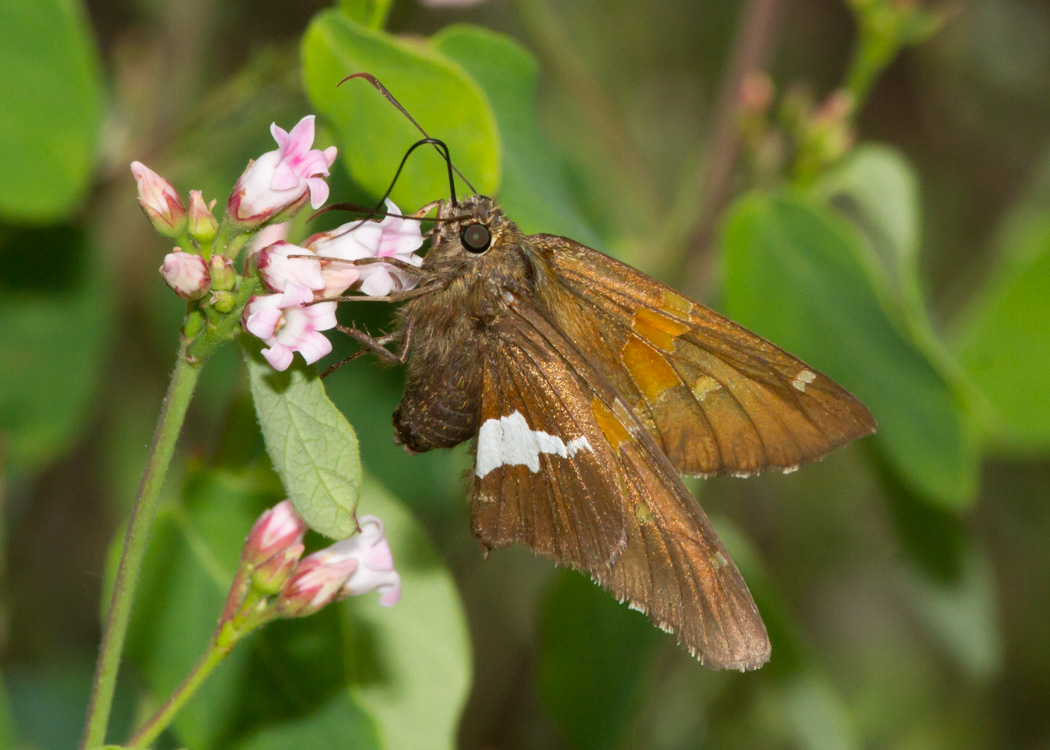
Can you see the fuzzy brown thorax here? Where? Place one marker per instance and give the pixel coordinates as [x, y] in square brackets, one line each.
[449, 327]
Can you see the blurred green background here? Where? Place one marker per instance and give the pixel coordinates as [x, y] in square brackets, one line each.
[895, 236]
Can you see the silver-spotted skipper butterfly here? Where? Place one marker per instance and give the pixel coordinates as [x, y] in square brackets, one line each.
[588, 388]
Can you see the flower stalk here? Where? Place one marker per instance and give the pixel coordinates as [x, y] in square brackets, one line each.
[173, 413]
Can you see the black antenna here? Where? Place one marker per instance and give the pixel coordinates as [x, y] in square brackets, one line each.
[437, 143]
[442, 149]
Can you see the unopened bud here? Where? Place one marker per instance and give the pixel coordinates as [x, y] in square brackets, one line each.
[269, 577]
[224, 302]
[277, 529]
[202, 224]
[223, 277]
[185, 273]
[159, 200]
[317, 582]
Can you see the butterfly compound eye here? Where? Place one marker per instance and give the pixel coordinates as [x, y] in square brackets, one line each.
[476, 238]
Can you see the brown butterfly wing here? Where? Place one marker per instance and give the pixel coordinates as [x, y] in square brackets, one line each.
[717, 398]
[616, 508]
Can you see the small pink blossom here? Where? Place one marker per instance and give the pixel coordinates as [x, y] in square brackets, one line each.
[280, 181]
[287, 323]
[349, 567]
[393, 237]
[159, 200]
[376, 571]
[185, 273]
[278, 269]
[277, 529]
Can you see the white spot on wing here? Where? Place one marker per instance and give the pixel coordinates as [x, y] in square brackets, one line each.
[509, 441]
[803, 379]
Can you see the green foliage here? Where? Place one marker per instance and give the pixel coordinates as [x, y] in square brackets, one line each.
[797, 274]
[534, 190]
[897, 609]
[338, 723]
[374, 135]
[312, 446]
[52, 344]
[193, 554]
[51, 89]
[387, 677]
[1005, 344]
[410, 665]
[594, 651]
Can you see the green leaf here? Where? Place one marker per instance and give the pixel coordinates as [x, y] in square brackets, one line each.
[51, 89]
[796, 274]
[1004, 344]
[53, 341]
[817, 716]
[312, 446]
[877, 188]
[962, 613]
[338, 723]
[410, 665]
[193, 554]
[593, 653]
[534, 190]
[374, 135]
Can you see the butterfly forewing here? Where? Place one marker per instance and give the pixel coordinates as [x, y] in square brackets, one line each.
[716, 398]
[613, 507]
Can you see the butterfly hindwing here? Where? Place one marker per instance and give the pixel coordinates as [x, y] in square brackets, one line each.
[717, 398]
[566, 468]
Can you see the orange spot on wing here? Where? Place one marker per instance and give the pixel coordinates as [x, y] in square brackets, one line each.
[657, 329]
[609, 424]
[677, 303]
[648, 368]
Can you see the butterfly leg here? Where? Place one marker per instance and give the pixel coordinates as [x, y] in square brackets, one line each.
[376, 345]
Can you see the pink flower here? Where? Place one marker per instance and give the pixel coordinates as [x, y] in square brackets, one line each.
[289, 324]
[393, 237]
[279, 182]
[349, 567]
[159, 200]
[278, 269]
[186, 274]
[376, 571]
[277, 529]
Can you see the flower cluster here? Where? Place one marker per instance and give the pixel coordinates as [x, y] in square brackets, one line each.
[272, 571]
[301, 282]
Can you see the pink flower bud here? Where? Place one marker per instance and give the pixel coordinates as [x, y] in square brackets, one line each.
[202, 226]
[159, 200]
[277, 529]
[317, 582]
[278, 183]
[186, 274]
[270, 576]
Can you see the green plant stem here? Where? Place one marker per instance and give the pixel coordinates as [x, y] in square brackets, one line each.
[172, 415]
[157, 723]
